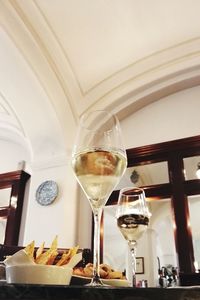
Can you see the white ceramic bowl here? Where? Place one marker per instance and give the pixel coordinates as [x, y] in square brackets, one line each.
[38, 274]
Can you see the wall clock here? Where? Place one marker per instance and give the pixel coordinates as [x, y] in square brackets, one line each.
[47, 192]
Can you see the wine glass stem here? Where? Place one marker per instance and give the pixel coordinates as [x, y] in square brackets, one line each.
[96, 259]
[132, 247]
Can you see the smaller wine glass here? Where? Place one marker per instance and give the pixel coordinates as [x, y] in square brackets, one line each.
[132, 216]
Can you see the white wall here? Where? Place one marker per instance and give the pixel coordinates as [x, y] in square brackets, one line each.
[43, 223]
[173, 117]
[11, 154]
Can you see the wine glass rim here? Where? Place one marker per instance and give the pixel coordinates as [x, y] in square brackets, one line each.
[86, 115]
[131, 189]
[124, 192]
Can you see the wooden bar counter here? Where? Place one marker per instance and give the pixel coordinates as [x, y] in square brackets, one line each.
[39, 292]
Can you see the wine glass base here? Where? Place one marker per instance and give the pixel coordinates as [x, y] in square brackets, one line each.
[96, 282]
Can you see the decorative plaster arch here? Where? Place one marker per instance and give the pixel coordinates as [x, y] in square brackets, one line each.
[160, 79]
[131, 87]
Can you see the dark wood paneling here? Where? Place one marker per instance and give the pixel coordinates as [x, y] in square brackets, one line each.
[182, 232]
[17, 182]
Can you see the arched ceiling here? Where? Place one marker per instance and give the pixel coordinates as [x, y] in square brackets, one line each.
[60, 58]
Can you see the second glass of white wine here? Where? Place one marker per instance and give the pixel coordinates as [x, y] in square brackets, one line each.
[132, 216]
[99, 161]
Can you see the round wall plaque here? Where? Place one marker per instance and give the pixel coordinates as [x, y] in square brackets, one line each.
[47, 192]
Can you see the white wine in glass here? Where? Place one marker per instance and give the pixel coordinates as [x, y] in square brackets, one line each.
[99, 161]
[132, 220]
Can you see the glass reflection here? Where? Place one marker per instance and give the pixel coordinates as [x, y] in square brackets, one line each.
[191, 166]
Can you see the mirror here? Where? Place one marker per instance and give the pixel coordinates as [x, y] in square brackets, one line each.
[4, 203]
[166, 171]
[191, 166]
[194, 208]
[5, 197]
[12, 189]
[145, 175]
[3, 222]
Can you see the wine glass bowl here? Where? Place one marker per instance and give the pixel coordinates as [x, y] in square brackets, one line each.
[99, 161]
[132, 219]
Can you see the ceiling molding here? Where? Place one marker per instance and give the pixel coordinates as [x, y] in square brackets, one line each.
[137, 74]
[168, 63]
[47, 41]
[38, 42]
[128, 99]
[34, 55]
[181, 52]
[10, 116]
[11, 128]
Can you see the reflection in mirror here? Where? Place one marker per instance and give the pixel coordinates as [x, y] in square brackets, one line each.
[162, 224]
[191, 166]
[144, 175]
[113, 241]
[3, 222]
[157, 246]
[5, 197]
[194, 208]
[5, 194]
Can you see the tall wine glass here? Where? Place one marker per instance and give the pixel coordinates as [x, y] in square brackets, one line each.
[132, 219]
[99, 161]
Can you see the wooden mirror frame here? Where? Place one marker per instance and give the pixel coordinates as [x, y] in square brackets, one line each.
[17, 182]
[172, 152]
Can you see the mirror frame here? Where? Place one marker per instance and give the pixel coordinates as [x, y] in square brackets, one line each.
[178, 188]
[15, 180]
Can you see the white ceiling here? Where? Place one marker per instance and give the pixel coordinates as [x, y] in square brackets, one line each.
[59, 58]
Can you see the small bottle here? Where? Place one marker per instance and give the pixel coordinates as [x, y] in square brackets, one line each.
[144, 283]
[175, 276]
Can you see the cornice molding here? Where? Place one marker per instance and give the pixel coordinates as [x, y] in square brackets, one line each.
[152, 73]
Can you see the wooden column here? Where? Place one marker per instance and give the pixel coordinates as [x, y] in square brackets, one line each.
[182, 230]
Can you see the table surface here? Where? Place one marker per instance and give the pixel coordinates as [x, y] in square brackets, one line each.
[41, 292]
